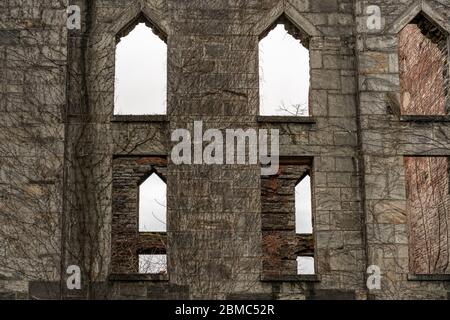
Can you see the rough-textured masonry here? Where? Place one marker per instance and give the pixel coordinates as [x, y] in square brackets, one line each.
[70, 170]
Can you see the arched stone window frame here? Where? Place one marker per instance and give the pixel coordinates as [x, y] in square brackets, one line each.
[108, 36]
[423, 7]
[297, 26]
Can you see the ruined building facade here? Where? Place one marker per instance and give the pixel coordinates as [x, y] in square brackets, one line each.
[375, 144]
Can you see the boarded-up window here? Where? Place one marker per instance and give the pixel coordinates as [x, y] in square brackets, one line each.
[428, 207]
[423, 63]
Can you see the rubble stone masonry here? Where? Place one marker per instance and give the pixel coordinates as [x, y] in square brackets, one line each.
[70, 169]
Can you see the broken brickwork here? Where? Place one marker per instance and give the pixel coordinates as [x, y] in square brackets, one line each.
[126, 240]
[281, 244]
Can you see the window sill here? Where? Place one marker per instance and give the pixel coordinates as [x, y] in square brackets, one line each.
[139, 118]
[428, 277]
[293, 278]
[286, 119]
[138, 277]
[420, 118]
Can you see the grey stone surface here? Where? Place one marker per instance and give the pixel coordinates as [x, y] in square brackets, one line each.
[60, 145]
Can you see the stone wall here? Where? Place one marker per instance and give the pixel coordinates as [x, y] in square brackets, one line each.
[355, 137]
[33, 57]
[386, 137]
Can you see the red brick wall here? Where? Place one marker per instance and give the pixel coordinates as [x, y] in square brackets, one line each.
[422, 77]
[427, 186]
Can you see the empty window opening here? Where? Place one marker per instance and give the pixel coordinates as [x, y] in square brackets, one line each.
[140, 73]
[305, 265]
[153, 263]
[424, 71]
[283, 73]
[152, 204]
[428, 209]
[303, 208]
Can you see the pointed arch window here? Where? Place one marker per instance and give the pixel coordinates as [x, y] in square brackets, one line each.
[152, 204]
[140, 71]
[284, 70]
[424, 70]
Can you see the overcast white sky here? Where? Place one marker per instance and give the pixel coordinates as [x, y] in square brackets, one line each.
[141, 76]
[140, 88]
[283, 72]
[303, 218]
[152, 204]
